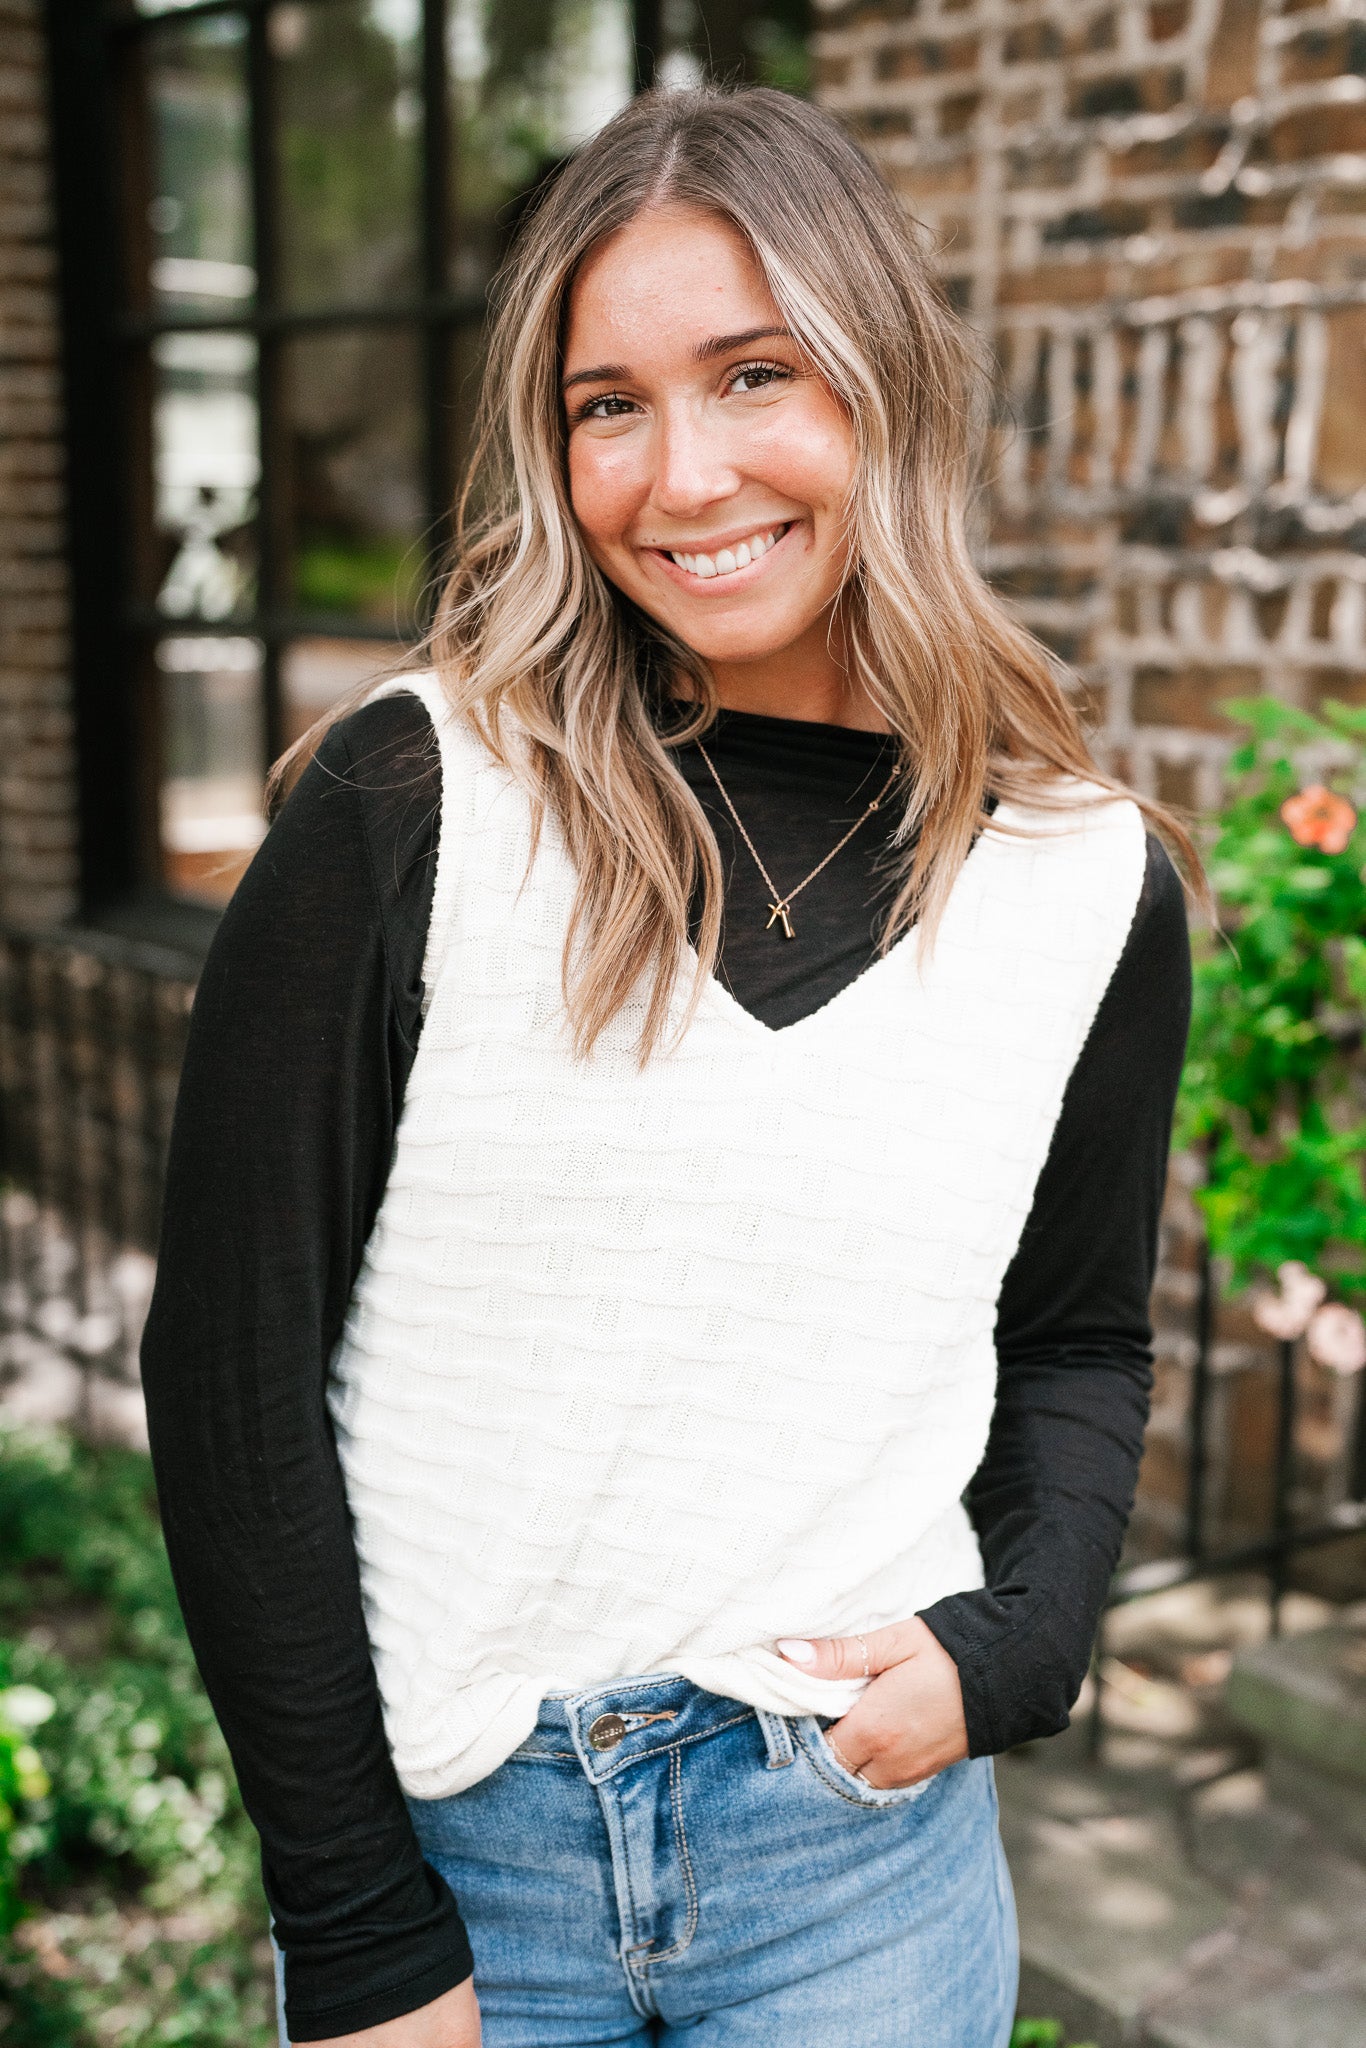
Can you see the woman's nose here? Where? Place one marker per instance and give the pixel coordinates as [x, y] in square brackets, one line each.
[693, 464]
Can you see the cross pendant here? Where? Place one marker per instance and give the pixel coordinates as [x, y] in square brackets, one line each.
[779, 916]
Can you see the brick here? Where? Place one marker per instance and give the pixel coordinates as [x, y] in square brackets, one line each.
[1231, 72]
[37, 788]
[1190, 699]
[1168, 18]
[1317, 132]
[930, 57]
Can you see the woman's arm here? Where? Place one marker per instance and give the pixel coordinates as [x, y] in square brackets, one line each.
[1052, 1496]
[304, 1027]
[982, 1671]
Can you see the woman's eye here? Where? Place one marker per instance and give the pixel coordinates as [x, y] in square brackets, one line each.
[754, 376]
[612, 406]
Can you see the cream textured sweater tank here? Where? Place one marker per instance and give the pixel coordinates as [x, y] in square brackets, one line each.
[645, 1369]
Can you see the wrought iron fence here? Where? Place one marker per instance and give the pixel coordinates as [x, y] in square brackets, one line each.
[1299, 1519]
[92, 1030]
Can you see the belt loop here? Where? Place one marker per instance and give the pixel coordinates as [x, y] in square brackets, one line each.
[777, 1738]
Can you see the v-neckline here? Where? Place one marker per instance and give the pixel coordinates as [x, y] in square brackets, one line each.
[730, 1005]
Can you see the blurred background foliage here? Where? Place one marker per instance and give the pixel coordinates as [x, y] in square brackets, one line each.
[128, 1869]
[1274, 1094]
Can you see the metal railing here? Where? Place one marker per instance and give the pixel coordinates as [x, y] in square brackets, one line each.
[92, 1030]
[1288, 1535]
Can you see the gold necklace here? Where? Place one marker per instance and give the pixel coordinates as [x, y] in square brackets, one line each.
[779, 908]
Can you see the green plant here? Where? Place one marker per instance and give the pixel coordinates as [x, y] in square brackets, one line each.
[379, 579]
[123, 1843]
[1273, 1092]
[1042, 2034]
[24, 1786]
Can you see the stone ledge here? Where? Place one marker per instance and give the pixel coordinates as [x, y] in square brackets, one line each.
[1305, 1696]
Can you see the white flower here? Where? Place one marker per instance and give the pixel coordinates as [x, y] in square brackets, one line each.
[1286, 1315]
[1337, 1338]
[26, 1707]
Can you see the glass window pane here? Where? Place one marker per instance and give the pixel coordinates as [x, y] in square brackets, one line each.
[350, 111]
[354, 486]
[212, 730]
[199, 204]
[205, 468]
[529, 82]
[315, 674]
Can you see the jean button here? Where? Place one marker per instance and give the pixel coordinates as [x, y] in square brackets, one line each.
[606, 1732]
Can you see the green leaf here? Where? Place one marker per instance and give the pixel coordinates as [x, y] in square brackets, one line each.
[1273, 1088]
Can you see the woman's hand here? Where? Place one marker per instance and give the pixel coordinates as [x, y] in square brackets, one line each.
[908, 1723]
[451, 2021]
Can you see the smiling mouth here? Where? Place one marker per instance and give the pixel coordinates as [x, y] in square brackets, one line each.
[726, 561]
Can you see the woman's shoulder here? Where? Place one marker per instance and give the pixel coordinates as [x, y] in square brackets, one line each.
[392, 731]
[358, 826]
[1160, 915]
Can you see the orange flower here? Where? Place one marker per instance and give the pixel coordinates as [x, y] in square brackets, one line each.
[1319, 817]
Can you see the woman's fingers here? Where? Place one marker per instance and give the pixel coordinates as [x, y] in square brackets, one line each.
[844, 1656]
[908, 1723]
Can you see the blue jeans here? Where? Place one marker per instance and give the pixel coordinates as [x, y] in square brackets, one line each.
[656, 1863]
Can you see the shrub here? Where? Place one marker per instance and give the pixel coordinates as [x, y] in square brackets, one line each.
[1273, 1091]
[123, 1844]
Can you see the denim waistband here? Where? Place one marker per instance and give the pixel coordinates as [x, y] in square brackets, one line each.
[609, 1727]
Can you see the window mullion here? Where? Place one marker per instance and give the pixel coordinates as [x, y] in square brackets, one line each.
[436, 227]
[271, 545]
[647, 21]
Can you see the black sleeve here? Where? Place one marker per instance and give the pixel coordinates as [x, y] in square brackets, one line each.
[302, 1037]
[1053, 1494]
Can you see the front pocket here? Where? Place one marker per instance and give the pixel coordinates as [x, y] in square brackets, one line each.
[844, 1782]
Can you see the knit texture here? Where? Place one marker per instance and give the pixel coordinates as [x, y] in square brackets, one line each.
[644, 1369]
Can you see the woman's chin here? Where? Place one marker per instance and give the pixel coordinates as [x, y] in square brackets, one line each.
[737, 639]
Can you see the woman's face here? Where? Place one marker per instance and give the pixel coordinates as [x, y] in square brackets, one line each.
[709, 467]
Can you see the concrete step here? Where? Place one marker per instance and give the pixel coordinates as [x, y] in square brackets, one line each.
[1157, 1916]
[1304, 1699]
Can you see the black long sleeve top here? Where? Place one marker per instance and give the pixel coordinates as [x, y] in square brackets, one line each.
[305, 1027]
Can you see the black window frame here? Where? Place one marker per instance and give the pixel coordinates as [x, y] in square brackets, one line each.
[92, 53]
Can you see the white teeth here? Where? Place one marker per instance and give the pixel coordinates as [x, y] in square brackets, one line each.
[728, 560]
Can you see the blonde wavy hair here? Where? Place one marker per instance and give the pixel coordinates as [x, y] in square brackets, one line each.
[578, 693]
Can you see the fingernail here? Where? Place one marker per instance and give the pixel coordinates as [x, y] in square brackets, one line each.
[796, 1650]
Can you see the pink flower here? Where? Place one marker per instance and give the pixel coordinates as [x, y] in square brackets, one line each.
[1286, 1315]
[1337, 1338]
[1318, 817]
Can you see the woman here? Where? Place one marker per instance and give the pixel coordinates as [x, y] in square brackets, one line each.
[649, 1059]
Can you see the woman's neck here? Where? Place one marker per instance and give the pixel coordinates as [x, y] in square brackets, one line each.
[809, 681]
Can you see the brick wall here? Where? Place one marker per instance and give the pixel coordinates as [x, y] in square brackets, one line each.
[37, 787]
[1155, 210]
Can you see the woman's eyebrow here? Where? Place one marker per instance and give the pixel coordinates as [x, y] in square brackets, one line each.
[605, 373]
[722, 344]
[717, 345]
